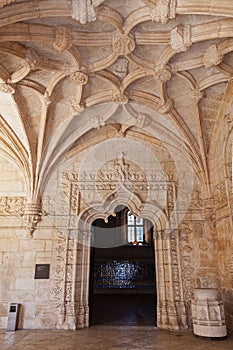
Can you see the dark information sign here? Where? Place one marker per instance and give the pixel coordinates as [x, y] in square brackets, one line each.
[42, 271]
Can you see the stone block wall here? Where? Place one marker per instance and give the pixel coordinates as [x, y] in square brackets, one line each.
[18, 256]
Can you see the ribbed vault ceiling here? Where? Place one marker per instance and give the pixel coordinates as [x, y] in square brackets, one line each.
[157, 68]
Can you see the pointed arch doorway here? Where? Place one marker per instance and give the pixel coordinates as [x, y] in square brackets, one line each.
[122, 288]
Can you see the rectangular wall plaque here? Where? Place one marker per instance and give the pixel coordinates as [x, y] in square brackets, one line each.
[42, 271]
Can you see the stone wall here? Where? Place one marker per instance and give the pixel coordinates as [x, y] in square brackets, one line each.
[19, 253]
[199, 255]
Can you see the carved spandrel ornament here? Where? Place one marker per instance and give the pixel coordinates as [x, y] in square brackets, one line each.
[116, 178]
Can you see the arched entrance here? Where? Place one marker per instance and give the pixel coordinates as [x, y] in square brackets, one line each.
[98, 199]
[122, 271]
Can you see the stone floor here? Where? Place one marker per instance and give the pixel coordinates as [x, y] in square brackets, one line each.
[110, 338]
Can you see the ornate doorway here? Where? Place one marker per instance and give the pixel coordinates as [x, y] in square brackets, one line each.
[122, 278]
[150, 196]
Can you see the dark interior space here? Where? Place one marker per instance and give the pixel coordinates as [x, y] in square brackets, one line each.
[123, 309]
[122, 278]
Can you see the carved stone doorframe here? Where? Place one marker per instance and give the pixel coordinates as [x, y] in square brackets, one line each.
[109, 189]
[171, 313]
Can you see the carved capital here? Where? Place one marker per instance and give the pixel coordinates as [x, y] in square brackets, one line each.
[123, 44]
[7, 88]
[212, 56]
[181, 38]
[163, 11]
[120, 98]
[63, 40]
[196, 95]
[79, 78]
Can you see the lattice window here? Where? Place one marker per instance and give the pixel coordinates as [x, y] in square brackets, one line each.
[135, 229]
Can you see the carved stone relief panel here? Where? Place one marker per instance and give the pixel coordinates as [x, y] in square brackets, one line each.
[115, 179]
[12, 206]
[59, 272]
[187, 267]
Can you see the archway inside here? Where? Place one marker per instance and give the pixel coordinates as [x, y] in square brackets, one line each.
[122, 273]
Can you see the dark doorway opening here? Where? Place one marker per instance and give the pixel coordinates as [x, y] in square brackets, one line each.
[122, 278]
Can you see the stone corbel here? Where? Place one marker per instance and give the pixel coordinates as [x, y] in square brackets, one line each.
[212, 56]
[181, 38]
[163, 10]
[32, 216]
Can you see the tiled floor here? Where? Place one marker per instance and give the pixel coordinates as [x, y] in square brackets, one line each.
[110, 338]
